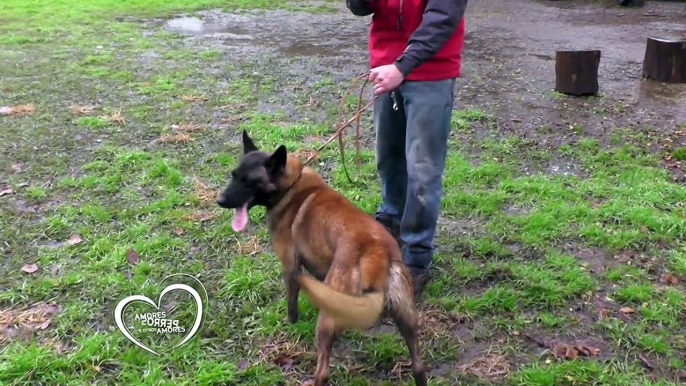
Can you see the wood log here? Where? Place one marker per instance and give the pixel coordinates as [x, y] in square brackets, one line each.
[631, 3]
[576, 72]
[665, 60]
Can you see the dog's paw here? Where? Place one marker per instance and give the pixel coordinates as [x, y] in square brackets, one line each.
[291, 318]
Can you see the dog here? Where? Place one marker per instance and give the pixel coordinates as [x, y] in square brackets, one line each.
[356, 273]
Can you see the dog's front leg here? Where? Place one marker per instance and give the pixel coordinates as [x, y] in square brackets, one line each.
[290, 265]
[292, 291]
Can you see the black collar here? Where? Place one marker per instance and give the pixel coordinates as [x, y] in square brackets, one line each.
[273, 201]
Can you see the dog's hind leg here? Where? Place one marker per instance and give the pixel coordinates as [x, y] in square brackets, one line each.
[402, 309]
[325, 336]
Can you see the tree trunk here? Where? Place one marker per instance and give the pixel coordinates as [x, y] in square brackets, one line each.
[665, 60]
[576, 72]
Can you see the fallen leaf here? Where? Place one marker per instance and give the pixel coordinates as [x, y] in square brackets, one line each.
[88, 109]
[643, 229]
[178, 231]
[627, 310]
[19, 109]
[563, 350]
[16, 167]
[29, 268]
[587, 350]
[515, 333]
[132, 257]
[284, 362]
[44, 325]
[191, 98]
[242, 364]
[6, 191]
[669, 279]
[74, 239]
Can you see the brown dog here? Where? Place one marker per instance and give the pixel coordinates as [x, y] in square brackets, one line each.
[357, 267]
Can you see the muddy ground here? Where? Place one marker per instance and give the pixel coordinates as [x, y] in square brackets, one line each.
[508, 64]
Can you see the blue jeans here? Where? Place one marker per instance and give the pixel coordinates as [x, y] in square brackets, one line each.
[411, 147]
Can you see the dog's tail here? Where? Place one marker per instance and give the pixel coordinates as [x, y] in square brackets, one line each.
[349, 311]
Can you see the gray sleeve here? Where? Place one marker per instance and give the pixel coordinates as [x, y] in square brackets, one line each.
[441, 18]
[359, 7]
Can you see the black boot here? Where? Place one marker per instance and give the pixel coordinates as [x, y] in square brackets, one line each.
[392, 226]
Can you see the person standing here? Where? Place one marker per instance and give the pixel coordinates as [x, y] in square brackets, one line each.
[414, 53]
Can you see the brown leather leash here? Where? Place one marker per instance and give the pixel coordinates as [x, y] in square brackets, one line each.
[342, 126]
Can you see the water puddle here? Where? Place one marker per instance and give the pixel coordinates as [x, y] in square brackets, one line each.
[290, 33]
[216, 28]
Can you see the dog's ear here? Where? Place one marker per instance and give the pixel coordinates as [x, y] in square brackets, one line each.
[277, 161]
[248, 145]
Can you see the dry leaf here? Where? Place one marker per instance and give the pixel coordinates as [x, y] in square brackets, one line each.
[191, 98]
[587, 350]
[284, 362]
[669, 279]
[29, 268]
[643, 229]
[175, 138]
[88, 109]
[178, 231]
[566, 351]
[115, 117]
[132, 257]
[16, 168]
[19, 109]
[6, 191]
[74, 239]
[44, 325]
[627, 310]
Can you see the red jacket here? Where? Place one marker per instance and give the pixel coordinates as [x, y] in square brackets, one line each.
[422, 37]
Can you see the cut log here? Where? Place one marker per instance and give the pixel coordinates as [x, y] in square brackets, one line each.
[665, 60]
[631, 3]
[576, 72]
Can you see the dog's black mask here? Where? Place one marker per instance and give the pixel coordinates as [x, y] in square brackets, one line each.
[253, 181]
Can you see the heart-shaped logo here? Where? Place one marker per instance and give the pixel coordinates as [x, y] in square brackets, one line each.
[159, 320]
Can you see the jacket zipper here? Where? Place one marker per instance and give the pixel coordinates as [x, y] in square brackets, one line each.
[400, 15]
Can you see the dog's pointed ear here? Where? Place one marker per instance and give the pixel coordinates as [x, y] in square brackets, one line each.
[277, 161]
[248, 145]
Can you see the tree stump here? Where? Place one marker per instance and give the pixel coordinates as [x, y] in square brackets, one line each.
[665, 60]
[576, 72]
[631, 3]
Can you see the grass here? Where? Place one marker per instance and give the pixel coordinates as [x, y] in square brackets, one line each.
[108, 186]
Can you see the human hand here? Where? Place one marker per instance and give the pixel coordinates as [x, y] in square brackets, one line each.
[385, 78]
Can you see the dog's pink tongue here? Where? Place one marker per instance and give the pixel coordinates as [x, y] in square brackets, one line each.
[240, 219]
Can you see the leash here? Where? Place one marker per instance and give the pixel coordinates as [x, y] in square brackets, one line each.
[338, 133]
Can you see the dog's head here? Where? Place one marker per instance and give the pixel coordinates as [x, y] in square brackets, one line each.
[255, 181]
